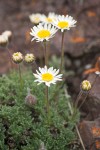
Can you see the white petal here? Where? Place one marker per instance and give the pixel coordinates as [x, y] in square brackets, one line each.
[48, 84]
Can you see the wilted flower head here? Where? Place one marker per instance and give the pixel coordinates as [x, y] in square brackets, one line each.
[17, 57]
[43, 32]
[36, 18]
[3, 40]
[29, 58]
[47, 76]
[50, 18]
[8, 34]
[30, 99]
[86, 85]
[64, 22]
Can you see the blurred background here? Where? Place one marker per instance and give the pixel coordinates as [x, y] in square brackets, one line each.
[81, 44]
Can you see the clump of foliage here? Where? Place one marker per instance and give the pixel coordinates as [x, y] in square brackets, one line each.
[24, 127]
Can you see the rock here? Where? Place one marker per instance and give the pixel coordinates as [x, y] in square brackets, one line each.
[90, 133]
[79, 40]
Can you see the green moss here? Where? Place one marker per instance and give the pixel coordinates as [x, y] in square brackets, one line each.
[24, 127]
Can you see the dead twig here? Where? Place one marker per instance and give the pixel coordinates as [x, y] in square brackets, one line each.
[78, 133]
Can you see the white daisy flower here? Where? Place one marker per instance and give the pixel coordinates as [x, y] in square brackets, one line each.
[36, 18]
[47, 76]
[64, 22]
[50, 18]
[43, 32]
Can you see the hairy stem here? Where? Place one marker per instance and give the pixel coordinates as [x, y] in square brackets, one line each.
[78, 98]
[62, 52]
[46, 53]
[10, 57]
[20, 76]
[83, 101]
[47, 103]
[46, 89]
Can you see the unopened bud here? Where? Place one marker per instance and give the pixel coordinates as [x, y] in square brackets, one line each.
[17, 57]
[35, 18]
[86, 85]
[29, 58]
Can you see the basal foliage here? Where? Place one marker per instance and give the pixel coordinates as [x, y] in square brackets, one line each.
[24, 127]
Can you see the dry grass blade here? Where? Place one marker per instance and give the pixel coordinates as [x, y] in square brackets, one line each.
[78, 133]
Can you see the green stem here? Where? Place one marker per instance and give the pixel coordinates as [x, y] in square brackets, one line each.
[62, 52]
[61, 66]
[47, 99]
[83, 101]
[78, 98]
[20, 77]
[46, 53]
[46, 90]
[10, 57]
[47, 103]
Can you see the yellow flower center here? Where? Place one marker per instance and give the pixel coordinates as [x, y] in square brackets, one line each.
[47, 77]
[43, 34]
[63, 24]
[49, 19]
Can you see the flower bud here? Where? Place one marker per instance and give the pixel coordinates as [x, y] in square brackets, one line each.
[8, 34]
[29, 58]
[35, 18]
[3, 40]
[30, 99]
[17, 57]
[86, 85]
